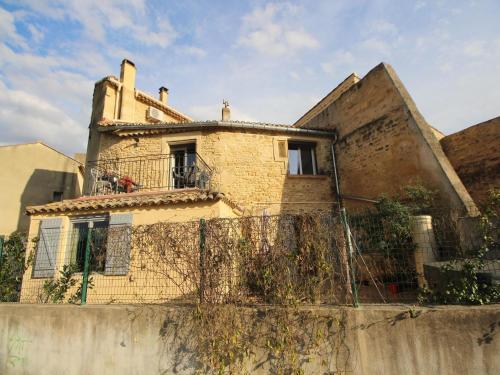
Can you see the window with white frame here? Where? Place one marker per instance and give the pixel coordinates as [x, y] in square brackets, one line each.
[301, 158]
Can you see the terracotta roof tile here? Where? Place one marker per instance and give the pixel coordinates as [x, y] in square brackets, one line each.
[105, 202]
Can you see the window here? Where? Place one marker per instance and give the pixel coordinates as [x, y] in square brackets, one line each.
[78, 242]
[301, 158]
[57, 196]
[183, 165]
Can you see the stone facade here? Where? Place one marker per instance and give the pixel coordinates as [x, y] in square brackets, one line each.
[118, 100]
[475, 154]
[247, 167]
[246, 164]
[385, 143]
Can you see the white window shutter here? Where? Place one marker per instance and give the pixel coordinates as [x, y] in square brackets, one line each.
[48, 244]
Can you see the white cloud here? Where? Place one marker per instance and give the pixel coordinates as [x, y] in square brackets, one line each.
[194, 51]
[36, 34]
[474, 48]
[273, 31]
[8, 30]
[376, 45]
[383, 27]
[294, 75]
[340, 61]
[420, 5]
[27, 117]
[98, 16]
[162, 36]
[42, 97]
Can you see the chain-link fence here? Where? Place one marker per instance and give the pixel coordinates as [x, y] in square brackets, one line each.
[381, 255]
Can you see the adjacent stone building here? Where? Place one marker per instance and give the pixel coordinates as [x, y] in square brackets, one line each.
[475, 154]
[384, 143]
[34, 174]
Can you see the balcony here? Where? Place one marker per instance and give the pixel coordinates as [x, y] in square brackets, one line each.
[179, 170]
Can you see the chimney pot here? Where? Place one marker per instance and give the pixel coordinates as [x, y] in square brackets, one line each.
[226, 112]
[164, 95]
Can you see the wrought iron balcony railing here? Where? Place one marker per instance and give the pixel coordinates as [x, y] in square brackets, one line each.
[178, 170]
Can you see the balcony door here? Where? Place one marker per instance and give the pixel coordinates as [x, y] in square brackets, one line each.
[183, 165]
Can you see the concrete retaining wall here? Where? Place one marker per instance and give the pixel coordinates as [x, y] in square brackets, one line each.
[65, 339]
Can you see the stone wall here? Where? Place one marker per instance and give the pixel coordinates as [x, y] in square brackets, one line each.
[250, 171]
[114, 339]
[327, 100]
[475, 154]
[384, 142]
[247, 166]
[119, 100]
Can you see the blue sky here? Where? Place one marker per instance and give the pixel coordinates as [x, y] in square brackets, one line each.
[271, 60]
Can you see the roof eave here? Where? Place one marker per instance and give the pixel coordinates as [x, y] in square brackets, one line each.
[203, 125]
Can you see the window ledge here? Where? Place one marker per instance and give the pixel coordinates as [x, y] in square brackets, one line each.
[309, 176]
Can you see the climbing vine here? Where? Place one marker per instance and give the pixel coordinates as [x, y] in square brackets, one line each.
[56, 290]
[463, 278]
[230, 339]
[12, 267]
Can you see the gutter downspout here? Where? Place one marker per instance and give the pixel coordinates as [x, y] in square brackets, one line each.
[347, 230]
[117, 100]
[335, 174]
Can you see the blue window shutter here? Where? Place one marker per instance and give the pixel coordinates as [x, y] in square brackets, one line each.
[118, 244]
[48, 244]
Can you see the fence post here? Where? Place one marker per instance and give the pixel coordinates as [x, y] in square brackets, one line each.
[203, 229]
[347, 230]
[86, 265]
[425, 245]
[2, 239]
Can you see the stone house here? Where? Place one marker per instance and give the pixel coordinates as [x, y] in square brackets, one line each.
[147, 162]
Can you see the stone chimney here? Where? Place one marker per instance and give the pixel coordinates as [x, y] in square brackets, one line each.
[164, 95]
[127, 78]
[226, 112]
[127, 73]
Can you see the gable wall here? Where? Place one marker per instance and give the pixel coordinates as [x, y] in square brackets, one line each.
[384, 143]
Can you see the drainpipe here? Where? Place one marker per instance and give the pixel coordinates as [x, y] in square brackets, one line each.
[347, 230]
[335, 174]
[117, 100]
[2, 240]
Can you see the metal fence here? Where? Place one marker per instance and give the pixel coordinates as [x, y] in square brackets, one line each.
[330, 258]
[145, 173]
